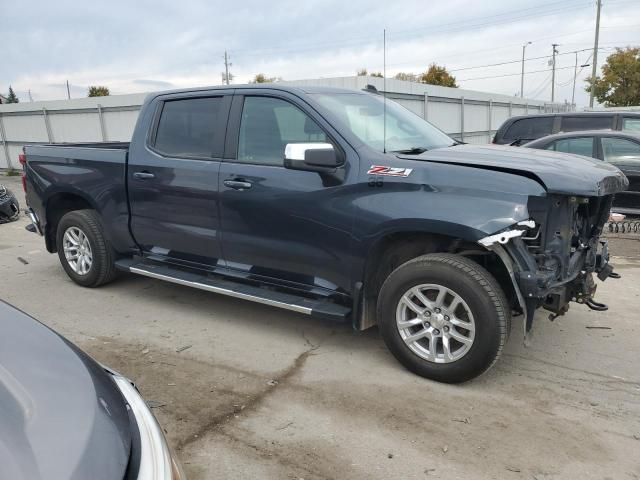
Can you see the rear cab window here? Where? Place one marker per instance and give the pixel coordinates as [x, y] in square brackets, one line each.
[576, 145]
[620, 150]
[631, 123]
[191, 128]
[586, 122]
[527, 129]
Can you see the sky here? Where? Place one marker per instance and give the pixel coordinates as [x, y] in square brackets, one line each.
[142, 46]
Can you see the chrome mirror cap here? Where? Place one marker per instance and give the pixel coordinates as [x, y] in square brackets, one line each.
[297, 151]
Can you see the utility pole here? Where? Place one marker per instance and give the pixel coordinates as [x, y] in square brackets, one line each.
[30, 97]
[68, 91]
[595, 55]
[522, 74]
[575, 74]
[226, 68]
[553, 72]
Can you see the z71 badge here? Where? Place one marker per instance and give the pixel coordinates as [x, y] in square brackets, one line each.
[389, 171]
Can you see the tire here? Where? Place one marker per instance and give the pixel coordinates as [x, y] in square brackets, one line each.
[86, 224]
[483, 308]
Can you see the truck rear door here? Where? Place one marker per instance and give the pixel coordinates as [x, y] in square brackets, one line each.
[173, 176]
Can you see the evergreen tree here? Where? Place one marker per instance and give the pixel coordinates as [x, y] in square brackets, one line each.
[12, 98]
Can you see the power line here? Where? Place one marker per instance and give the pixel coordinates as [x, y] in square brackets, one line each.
[520, 60]
[511, 74]
[541, 88]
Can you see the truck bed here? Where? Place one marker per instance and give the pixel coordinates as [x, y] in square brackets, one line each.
[107, 145]
[90, 174]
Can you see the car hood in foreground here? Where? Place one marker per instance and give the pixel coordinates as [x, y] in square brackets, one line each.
[558, 172]
[62, 416]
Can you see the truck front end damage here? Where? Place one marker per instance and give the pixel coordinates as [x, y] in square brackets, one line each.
[552, 257]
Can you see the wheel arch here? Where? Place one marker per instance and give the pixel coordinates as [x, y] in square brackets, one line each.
[57, 205]
[399, 246]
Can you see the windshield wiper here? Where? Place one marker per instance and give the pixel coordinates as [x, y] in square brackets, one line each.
[411, 151]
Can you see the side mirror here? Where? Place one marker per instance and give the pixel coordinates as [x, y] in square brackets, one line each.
[313, 157]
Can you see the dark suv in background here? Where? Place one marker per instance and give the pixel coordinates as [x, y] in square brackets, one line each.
[518, 130]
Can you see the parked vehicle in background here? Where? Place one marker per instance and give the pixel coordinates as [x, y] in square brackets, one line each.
[332, 203]
[66, 417]
[522, 129]
[621, 149]
[9, 206]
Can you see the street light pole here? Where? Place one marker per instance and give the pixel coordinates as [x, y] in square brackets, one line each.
[595, 55]
[522, 74]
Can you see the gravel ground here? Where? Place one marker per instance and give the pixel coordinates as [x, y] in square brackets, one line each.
[248, 391]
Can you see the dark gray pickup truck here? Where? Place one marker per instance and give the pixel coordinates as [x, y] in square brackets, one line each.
[308, 200]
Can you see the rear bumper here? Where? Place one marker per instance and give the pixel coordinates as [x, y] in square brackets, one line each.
[35, 226]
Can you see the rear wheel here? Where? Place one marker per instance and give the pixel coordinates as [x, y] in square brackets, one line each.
[443, 317]
[84, 252]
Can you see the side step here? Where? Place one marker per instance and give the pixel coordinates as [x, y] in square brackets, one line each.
[315, 308]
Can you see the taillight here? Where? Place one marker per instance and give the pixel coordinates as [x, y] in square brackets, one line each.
[22, 158]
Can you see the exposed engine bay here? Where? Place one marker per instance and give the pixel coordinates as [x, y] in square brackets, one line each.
[553, 257]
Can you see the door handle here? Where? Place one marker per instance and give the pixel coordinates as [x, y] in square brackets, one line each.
[237, 184]
[143, 175]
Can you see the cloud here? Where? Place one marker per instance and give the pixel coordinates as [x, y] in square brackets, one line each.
[156, 44]
[153, 83]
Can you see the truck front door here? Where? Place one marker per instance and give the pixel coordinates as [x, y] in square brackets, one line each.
[293, 226]
[173, 177]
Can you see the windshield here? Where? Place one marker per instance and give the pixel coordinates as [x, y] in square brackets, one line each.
[363, 114]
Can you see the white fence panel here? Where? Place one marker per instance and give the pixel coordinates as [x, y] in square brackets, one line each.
[75, 127]
[119, 125]
[25, 128]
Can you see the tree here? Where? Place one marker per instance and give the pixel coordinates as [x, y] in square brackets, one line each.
[363, 73]
[262, 78]
[12, 97]
[407, 77]
[437, 75]
[98, 91]
[619, 85]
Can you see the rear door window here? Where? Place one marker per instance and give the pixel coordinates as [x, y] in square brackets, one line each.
[190, 128]
[620, 150]
[577, 146]
[586, 122]
[631, 123]
[527, 129]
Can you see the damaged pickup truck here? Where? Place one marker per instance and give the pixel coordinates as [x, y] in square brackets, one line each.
[328, 203]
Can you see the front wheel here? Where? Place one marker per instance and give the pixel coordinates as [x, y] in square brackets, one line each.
[444, 317]
[84, 252]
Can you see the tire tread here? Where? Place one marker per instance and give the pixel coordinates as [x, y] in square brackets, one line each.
[102, 250]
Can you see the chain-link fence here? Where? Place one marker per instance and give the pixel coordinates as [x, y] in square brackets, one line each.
[625, 226]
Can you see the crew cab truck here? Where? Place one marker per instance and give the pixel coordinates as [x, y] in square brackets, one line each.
[332, 203]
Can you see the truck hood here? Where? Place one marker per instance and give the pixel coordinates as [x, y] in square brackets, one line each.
[558, 172]
[62, 416]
